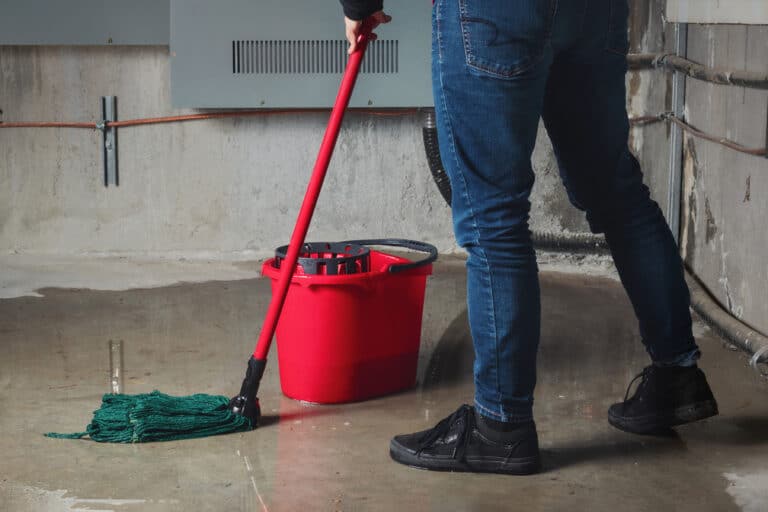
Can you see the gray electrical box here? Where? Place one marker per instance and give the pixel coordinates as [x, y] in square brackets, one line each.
[291, 54]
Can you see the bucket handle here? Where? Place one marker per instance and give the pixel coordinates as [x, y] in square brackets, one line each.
[407, 244]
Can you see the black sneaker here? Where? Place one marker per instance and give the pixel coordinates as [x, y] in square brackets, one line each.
[666, 397]
[457, 444]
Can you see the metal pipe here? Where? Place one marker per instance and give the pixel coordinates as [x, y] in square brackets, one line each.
[754, 343]
[674, 190]
[671, 62]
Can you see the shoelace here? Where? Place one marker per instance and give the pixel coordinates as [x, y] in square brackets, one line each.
[644, 374]
[465, 414]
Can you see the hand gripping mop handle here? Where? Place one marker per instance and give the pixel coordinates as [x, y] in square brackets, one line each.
[246, 402]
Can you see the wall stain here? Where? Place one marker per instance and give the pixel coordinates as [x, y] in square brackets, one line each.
[748, 192]
[690, 206]
[639, 20]
[711, 226]
[690, 234]
[634, 83]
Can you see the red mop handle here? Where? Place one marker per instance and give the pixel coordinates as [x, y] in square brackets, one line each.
[288, 265]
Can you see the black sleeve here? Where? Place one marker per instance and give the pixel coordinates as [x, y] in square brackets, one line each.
[361, 9]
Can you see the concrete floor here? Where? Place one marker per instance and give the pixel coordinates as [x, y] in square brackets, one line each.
[185, 338]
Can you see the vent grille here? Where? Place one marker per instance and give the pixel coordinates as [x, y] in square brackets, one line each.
[327, 56]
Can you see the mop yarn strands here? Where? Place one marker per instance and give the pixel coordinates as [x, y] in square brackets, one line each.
[159, 417]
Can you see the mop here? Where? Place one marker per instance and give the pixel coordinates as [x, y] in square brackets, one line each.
[159, 417]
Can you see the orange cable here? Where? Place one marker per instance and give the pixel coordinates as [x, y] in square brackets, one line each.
[47, 125]
[201, 116]
[634, 121]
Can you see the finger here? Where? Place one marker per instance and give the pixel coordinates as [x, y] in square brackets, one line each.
[352, 39]
[381, 17]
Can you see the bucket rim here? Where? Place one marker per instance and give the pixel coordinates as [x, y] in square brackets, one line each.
[360, 279]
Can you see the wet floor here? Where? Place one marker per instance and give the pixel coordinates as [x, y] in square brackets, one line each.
[54, 366]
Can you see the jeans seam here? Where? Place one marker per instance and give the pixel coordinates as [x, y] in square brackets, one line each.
[452, 144]
[496, 74]
[484, 410]
[471, 61]
[494, 326]
[465, 192]
[674, 360]
[502, 416]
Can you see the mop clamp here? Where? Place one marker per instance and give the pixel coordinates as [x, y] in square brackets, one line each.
[246, 403]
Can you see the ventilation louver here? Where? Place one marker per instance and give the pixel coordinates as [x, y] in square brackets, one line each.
[309, 57]
[291, 54]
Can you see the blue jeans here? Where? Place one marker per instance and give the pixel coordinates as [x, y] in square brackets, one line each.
[497, 68]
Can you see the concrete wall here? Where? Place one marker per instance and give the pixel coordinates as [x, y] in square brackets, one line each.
[725, 241]
[231, 188]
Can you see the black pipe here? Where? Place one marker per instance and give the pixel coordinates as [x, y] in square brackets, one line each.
[432, 149]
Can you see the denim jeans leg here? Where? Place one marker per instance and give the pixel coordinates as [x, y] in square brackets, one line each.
[587, 122]
[488, 100]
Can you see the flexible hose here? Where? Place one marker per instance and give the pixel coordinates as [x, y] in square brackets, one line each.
[583, 243]
[728, 326]
[435, 163]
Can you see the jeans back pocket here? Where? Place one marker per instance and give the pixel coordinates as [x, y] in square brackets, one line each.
[618, 27]
[504, 38]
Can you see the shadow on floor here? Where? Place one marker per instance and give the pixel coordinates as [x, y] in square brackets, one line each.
[453, 356]
[597, 451]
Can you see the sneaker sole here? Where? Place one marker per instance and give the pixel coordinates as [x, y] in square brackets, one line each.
[518, 466]
[659, 424]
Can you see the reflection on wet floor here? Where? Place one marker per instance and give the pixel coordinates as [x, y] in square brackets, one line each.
[55, 364]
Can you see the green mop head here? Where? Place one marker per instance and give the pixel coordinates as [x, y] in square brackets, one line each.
[159, 417]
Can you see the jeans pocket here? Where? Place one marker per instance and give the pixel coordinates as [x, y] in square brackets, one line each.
[503, 39]
[618, 27]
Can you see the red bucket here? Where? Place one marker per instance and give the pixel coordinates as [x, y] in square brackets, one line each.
[349, 335]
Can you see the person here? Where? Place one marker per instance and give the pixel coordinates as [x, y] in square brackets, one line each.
[497, 68]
